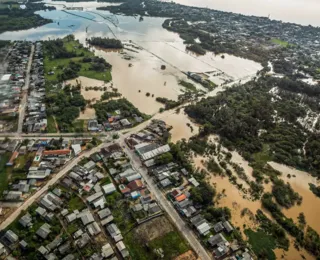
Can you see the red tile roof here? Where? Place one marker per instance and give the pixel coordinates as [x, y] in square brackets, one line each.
[57, 152]
[135, 185]
[181, 197]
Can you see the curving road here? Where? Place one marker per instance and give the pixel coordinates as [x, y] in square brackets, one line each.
[51, 182]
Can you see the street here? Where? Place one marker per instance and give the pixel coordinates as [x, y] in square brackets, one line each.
[165, 204]
[23, 102]
[51, 182]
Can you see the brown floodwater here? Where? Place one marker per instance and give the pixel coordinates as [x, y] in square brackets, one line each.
[310, 205]
[179, 123]
[237, 201]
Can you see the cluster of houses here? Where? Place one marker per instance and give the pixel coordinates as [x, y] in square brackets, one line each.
[115, 122]
[36, 118]
[39, 162]
[154, 132]
[176, 182]
[12, 82]
[91, 182]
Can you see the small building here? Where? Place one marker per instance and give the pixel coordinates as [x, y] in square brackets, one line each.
[26, 220]
[122, 249]
[109, 188]
[76, 148]
[44, 231]
[106, 251]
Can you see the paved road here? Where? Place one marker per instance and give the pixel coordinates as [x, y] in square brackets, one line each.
[168, 207]
[23, 102]
[51, 182]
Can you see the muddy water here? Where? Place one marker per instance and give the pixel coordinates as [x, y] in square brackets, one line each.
[311, 204]
[286, 10]
[233, 198]
[236, 201]
[144, 76]
[179, 123]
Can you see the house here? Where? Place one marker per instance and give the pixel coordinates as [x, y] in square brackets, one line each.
[41, 211]
[216, 239]
[57, 153]
[76, 148]
[109, 188]
[12, 158]
[106, 251]
[150, 150]
[122, 249]
[64, 248]
[165, 183]
[44, 231]
[228, 227]
[194, 182]
[104, 213]
[125, 122]
[89, 165]
[86, 217]
[135, 185]
[11, 237]
[13, 196]
[218, 227]
[114, 232]
[94, 229]
[180, 197]
[69, 257]
[201, 224]
[55, 243]
[26, 220]
[93, 125]
[77, 234]
[94, 196]
[2, 249]
[23, 244]
[107, 220]
[83, 240]
[43, 250]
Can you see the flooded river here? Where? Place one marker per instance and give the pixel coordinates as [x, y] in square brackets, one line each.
[142, 73]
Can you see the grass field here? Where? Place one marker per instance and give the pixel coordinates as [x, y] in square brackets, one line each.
[4, 173]
[51, 126]
[280, 42]
[262, 244]
[75, 203]
[57, 65]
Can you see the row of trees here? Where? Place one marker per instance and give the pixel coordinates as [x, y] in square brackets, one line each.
[107, 43]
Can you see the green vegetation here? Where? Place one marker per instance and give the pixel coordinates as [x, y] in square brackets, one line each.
[65, 105]
[315, 189]
[4, 174]
[203, 194]
[168, 103]
[271, 228]
[108, 95]
[51, 126]
[106, 43]
[167, 241]
[262, 244]
[284, 194]
[126, 108]
[280, 42]
[75, 202]
[286, 223]
[13, 18]
[196, 48]
[244, 118]
[67, 59]
[188, 85]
